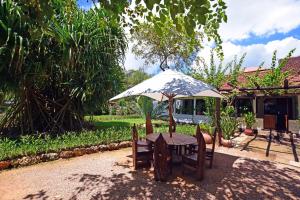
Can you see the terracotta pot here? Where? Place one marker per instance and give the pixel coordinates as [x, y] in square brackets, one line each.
[4, 164]
[248, 131]
[226, 143]
[207, 138]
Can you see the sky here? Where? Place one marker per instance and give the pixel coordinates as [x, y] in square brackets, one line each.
[254, 27]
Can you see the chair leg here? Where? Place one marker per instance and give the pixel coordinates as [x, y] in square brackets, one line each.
[210, 162]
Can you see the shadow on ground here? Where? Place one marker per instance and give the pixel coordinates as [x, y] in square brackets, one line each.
[230, 178]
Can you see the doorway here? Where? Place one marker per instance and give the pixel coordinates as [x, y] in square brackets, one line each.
[279, 107]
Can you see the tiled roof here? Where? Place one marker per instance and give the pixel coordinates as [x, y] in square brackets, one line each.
[292, 66]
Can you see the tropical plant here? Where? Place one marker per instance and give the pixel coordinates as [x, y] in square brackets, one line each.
[57, 60]
[206, 127]
[228, 123]
[216, 75]
[249, 119]
[274, 78]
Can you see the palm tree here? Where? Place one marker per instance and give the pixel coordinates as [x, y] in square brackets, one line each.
[56, 63]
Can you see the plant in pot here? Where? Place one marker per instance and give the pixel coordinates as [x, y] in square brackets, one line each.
[207, 132]
[229, 125]
[249, 119]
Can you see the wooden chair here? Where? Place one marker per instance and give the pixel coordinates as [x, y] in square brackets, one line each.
[141, 155]
[162, 159]
[209, 155]
[210, 152]
[149, 130]
[196, 161]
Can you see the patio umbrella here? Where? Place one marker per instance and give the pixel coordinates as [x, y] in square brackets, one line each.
[168, 85]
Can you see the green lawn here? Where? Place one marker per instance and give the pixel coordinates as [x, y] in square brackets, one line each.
[115, 121]
[108, 129]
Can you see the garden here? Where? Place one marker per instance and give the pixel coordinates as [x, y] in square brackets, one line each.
[108, 129]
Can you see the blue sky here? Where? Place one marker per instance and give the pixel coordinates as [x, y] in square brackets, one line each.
[254, 27]
[265, 39]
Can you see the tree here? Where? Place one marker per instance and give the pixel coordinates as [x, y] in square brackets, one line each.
[56, 60]
[165, 45]
[204, 15]
[217, 75]
[134, 77]
[274, 78]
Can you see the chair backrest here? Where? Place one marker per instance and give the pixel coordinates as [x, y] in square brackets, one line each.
[201, 153]
[214, 139]
[173, 125]
[134, 145]
[161, 155]
[149, 127]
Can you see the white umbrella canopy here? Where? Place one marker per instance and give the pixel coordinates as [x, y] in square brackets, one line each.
[170, 82]
[167, 85]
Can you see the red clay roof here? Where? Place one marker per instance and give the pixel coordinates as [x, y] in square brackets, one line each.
[292, 66]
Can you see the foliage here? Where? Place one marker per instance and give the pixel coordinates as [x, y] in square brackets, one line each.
[228, 123]
[217, 75]
[186, 16]
[134, 77]
[129, 106]
[57, 60]
[146, 106]
[110, 129]
[32, 145]
[275, 78]
[165, 45]
[249, 119]
[206, 128]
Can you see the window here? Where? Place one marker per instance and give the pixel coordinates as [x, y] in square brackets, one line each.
[187, 106]
[200, 107]
[243, 105]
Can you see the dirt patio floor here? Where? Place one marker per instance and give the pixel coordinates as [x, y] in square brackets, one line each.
[109, 175]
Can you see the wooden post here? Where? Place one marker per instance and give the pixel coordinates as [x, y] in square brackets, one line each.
[217, 117]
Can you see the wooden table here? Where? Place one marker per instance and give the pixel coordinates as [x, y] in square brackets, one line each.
[176, 139]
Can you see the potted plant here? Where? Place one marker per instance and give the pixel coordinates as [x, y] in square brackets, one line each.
[229, 124]
[249, 119]
[207, 132]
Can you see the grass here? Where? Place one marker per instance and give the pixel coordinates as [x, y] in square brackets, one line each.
[109, 129]
[108, 121]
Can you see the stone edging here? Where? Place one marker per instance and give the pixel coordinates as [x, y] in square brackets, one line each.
[64, 154]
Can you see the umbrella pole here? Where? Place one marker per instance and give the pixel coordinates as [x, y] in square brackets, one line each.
[170, 114]
[170, 99]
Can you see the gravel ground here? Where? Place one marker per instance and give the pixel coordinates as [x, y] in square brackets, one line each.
[109, 175]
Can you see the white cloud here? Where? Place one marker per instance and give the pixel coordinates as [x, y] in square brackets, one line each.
[257, 53]
[259, 18]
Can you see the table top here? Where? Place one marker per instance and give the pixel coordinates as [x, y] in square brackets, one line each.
[176, 139]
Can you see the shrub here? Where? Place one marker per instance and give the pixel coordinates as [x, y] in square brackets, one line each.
[228, 123]
[207, 128]
[249, 119]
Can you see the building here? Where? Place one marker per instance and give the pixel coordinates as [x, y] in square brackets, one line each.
[192, 110]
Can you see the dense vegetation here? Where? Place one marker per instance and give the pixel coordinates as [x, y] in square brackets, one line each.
[57, 60]
[274, 78]
[109, 129]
